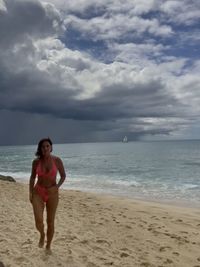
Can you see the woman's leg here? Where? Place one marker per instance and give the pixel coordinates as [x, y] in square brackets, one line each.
[51, 207]
[38, 209]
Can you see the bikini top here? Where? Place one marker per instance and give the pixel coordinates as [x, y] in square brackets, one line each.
[50, 174]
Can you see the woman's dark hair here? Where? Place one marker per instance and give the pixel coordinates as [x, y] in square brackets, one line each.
[39, 148]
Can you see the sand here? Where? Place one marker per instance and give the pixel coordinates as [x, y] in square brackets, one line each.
[97, 231]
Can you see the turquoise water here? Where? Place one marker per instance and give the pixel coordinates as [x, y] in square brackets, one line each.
[165, 171]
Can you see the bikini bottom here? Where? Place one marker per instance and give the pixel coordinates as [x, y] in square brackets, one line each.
[43, 191]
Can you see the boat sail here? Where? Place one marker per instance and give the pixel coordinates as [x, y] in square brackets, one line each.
[125, 139]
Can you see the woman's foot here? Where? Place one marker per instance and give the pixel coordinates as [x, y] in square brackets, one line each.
[41, 241]
[48, 250]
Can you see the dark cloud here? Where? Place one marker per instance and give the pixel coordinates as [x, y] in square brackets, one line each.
[46, 89]
[36, 92]
[26, 18]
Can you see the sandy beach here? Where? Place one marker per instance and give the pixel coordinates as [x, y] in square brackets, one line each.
[97, 231]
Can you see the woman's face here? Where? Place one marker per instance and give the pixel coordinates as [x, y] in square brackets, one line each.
[46, 148]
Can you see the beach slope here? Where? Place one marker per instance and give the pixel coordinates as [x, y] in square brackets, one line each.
[98, 231]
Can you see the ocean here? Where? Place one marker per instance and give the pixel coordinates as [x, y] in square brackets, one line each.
[163, 171]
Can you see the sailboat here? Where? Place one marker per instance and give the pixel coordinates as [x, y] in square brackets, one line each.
[125, 139]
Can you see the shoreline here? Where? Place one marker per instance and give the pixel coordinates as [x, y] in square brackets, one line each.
[95, 230]
[176, 203]
[145, 200]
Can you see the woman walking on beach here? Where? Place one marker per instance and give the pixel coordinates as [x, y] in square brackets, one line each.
[44, 193]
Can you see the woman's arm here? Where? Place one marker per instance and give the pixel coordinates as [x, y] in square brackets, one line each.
[61, 172]
[32, 180]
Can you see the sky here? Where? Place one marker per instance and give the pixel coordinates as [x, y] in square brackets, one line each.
[95, 71]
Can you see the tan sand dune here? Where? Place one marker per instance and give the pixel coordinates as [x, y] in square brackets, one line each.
[98, 231]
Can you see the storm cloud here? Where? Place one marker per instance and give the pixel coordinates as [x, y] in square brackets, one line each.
[84, 71]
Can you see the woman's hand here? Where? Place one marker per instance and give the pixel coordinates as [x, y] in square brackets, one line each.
[53, 189]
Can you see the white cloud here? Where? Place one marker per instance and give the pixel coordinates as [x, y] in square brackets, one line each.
[137, 7]
[138, 54]
[182, 12]
[2, 6]
[53, 14]
[192, 38]
[118, 26]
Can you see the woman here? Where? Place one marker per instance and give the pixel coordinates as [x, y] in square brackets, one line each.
[44, 193]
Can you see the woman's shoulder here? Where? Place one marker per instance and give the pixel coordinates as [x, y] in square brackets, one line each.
[35, 164]
[56, 159]
[35, 161]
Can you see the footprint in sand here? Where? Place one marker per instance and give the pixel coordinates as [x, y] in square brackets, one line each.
[85, 241]
[109, 263]
[27, 243]
[102, 241]
[125, 252]
[83, 258]
[175, 253]
[155, 218]
[150, 228]
[142, 221]
[168, 261]
[20, 259]
[179, 238]
[145, 264]
[141, 225]
[183, 232]
[124, 255]
[128, 226]
[5, 251]
[164, 248]
[99, 249]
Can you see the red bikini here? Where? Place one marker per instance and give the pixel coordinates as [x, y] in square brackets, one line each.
[51, 174]
[42, 190]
